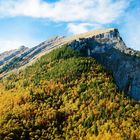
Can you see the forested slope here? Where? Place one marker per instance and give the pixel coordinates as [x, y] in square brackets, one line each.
[65, 95]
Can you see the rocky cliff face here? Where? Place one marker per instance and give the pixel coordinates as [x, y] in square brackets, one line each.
[105, 45]
[109, 49]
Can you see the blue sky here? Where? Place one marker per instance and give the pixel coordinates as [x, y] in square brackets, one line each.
[29, 22]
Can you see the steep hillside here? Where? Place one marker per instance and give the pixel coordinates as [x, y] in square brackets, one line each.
[109, 50]
[65, 95]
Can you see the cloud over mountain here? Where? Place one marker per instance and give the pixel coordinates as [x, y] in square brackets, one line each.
[78, 16]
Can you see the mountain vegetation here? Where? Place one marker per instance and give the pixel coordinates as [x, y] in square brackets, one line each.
[65, 95]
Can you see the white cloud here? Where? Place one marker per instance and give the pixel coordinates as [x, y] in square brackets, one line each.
[77, 28]
[82, 27]
[97, 11]
[6, 45]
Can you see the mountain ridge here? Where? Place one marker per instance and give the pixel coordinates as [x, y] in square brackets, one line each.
[106, 46]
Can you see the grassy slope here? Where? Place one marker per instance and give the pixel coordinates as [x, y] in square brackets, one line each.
[66, 96]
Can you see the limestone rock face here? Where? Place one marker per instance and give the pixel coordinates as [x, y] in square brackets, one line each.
[109, 50]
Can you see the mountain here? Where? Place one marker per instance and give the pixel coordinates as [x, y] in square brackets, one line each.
[9, 55]
[105, 45]
[15, 59]
[66, 95]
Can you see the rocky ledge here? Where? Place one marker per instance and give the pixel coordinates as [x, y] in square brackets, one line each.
[109, 49]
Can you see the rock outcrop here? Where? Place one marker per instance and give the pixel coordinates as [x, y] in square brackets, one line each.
[109, 49]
